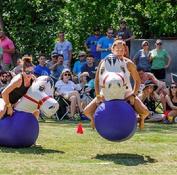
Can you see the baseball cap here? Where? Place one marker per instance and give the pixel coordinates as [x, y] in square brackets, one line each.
[158, 41]
[54, 54]
[81, 53]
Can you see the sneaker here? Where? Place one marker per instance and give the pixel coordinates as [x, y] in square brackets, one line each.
[77, 117]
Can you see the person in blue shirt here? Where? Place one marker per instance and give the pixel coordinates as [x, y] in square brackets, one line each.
[141, 58]
[41, 68]
[91, 44]
[105, 43]
[64, 47]
[79, 63]
[125, 33]
[89, 66]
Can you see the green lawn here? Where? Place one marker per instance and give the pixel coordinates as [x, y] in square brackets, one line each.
[62, 151]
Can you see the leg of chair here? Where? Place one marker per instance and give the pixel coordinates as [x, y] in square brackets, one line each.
[67, 111]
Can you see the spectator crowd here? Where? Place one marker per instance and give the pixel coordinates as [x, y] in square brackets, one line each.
[74, 80]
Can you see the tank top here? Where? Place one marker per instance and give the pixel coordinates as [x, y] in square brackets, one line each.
[112, 64]
[19, 92]
[168, 107]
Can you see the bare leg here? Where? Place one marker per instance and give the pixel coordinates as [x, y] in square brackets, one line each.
[36, 113]
[89, 111]
[142, 110]
[163, 101]
[2, 108]
[173, 113]
[78, 99]
[73, 105]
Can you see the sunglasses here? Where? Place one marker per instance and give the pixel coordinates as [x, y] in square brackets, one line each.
[173, 87]
[82, 55]
[110, 32]
[67, 74]
[159, 44]
[145, 45]
[28, 72]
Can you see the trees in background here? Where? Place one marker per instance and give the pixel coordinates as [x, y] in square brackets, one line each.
[33, 24]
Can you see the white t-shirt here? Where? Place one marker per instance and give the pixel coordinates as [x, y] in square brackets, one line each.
[65, 88]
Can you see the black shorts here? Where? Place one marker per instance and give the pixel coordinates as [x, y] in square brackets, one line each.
[159, 73]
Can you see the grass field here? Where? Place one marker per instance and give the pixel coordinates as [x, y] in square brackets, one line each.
[62, 151]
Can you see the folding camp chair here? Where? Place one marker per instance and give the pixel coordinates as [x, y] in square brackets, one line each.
[63, 107]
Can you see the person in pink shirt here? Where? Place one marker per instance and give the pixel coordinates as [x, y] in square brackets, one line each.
[7, 48]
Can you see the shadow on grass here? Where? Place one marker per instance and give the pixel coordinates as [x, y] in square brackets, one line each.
[31, 150]
[126, 159]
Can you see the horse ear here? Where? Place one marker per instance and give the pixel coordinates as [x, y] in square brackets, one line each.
[41, 87]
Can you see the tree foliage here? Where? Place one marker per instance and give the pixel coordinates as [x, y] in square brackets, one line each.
[33, 24]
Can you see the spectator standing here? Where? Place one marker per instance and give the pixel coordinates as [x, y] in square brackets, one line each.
[160, 60]
[79, 63]
[91, 44]
[124, 33]
[105, 43]
[64, 47]
[41, 68]
[56, 65]
[7, 48]
[141, 58]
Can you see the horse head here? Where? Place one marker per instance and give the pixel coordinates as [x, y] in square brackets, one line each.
[39, 96]
[114, 86]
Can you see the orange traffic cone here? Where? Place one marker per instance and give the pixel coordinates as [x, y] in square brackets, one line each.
[80, 129]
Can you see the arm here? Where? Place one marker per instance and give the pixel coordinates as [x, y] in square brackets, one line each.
[130, 35]
[97, 88]
[99, 49]
[169, 102]
[152, 78]
[15, 83]
[133, 72]
[99, 46]
[157, 97]
[54, 66]
[168, 62]
[11, 48]
[86, 45]
[136, 57]
[130, 38]
[141, 97]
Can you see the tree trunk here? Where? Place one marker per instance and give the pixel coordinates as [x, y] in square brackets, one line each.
[1, 23]
[1, 19]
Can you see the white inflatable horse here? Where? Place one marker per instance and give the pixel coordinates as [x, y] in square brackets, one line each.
[113, 86]
[39, 96]
[114, 78]
[22, 128]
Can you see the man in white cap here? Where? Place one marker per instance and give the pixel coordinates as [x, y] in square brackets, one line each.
[79, 63]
